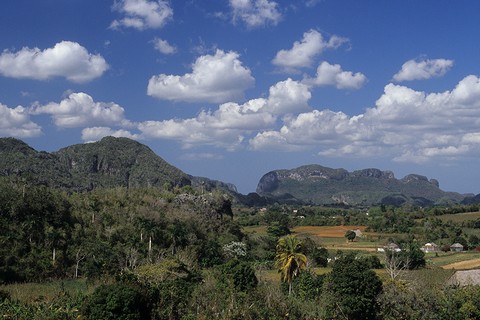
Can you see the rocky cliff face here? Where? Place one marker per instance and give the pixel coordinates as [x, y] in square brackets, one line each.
[271, 181]
[321, 185]
[373, 173]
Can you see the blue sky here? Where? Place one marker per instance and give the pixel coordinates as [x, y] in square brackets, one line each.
[232, 89]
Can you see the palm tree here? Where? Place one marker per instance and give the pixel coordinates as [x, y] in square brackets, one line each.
[289, 259]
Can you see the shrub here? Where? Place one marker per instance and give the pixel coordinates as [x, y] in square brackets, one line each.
[240, 274]
[116, 301]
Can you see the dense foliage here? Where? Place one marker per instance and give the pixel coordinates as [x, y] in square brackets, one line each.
[351, 290]
[180, 253]
[47, 234]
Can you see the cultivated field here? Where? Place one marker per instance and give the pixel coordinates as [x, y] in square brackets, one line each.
[326, 231]
[333, 237]
[469, 264]
[460, 217]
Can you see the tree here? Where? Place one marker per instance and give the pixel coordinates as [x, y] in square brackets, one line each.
[240, 274]
[209, 253]
[308, 285]
[317, 255]
[351, 290]
[412, 255]
[350, 235]
[278, 230]
[395, 264]
[289, 259]
[116, 301]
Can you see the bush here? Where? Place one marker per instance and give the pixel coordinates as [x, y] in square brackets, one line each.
[307, 286]
[240, 274]
[351, 290]
[209, 254]
[4, 295]
[278, 230]
[372, 261]
[116, 301]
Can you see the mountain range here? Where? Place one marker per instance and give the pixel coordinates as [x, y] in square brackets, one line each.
[122, 162]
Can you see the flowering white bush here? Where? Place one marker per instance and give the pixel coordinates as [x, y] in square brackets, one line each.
[235, 249]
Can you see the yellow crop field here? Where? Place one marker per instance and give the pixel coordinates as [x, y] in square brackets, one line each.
[462, 265]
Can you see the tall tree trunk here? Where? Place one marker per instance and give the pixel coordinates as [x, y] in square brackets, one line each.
[78, 258]
[150, 249]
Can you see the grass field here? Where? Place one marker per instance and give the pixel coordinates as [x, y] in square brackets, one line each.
[460, 217]
[469, 264]
[454, 260]
[39, 292]
[260, 230]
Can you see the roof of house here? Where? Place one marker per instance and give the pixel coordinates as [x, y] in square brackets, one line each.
[456, 245]
[358, 232]
[464, 278]
[391, 245]
[428, 244]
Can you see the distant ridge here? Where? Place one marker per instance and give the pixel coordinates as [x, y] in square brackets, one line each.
[122, 162]
[316, 184]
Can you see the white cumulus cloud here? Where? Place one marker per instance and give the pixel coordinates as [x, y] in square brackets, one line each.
[142, 14]
[404, 125]
[79, 110]
[423, 69]
[163, 46]
[288, 96]
[303, 52]
[231, 124]
[214, 78]
[255, 13]
[332, 74]
[16, 122]
[224, 127]
[97, 133]
[66, 59]
[306, 129]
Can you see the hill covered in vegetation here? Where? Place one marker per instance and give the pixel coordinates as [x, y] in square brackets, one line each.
[122, 162]
[111, 162]
[322, 185]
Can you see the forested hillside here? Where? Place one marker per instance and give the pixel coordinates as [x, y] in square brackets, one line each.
[183, 253]
[111, 162]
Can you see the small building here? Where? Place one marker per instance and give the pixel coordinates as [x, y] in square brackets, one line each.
[390, 247]
[358, 233]
[465, 278]
[456, 247]
[430, 247]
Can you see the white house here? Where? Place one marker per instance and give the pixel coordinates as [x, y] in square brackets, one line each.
[430, 247]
